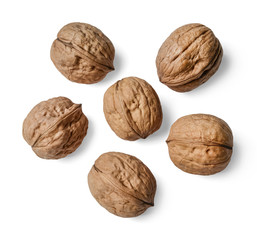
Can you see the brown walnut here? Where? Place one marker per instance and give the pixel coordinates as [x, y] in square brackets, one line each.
[82, 53]
[132, 108]
[188, 57]
[122, 184]
[55, 128]
[200, 144]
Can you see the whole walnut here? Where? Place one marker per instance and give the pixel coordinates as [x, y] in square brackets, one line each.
[200, 144]
[188, 57]
[82, 53]
[122, 184]
[55, 128]
[132, 108]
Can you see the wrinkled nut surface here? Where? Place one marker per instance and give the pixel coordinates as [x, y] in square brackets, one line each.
[122, 184]
[200, 144]
[82, 53]
[55, 128]
[188, 57]
[132, 108]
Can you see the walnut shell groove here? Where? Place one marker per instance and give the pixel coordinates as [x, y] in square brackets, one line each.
[188, 57]
[82, 53]
[200, 144]
[122, 184]
[55, 128]
[132, 108]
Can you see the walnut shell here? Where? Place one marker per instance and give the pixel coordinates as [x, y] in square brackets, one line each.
[55, 128]
[82, 53]
[122, 184]
[188, 57]
[132, 108]
[200, 144]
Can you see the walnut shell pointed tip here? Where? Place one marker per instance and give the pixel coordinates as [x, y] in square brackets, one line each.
[82, 53]
[200, 144]
[188, 57]
[122, 184]
[55, 128]
[132, 108]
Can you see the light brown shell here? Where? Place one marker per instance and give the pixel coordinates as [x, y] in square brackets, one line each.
[55, 128]
[82, 53]
[132, 108]
[122, 184]
[188, 57]
[200, 144]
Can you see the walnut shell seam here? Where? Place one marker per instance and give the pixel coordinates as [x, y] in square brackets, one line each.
[120, 189]
[77, 108]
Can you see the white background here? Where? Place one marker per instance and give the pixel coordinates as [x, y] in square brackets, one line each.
[45, 199]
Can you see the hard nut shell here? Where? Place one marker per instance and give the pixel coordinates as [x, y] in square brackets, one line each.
[122, 184]
[82, 53]
[132, 108]
[200, 144]
[55, 128]
[188, 57]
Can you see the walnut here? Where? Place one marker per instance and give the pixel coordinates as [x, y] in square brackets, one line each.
[200, 144]
[82, 53]
[55, 128]
[132, 108]
[122, 184]
[188, 57]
